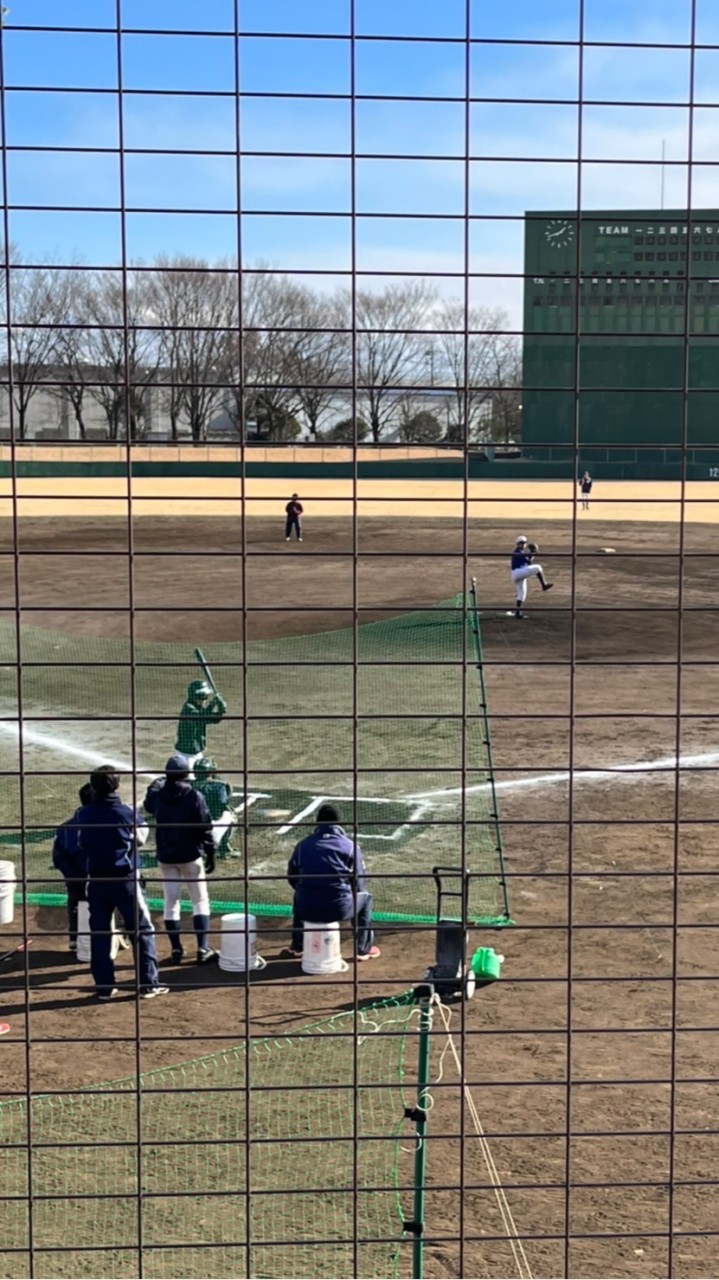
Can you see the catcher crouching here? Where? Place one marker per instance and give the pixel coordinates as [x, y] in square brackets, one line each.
[522, 569]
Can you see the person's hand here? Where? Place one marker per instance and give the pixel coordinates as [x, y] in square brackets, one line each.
[209, 858]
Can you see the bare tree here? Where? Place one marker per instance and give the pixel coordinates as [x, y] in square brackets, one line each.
[73, 370]
[273, 313]
[321, 357]
[39, 300]
[506, 394]
[468, 363]
[197, 307]
[123, 351]
[391, 354]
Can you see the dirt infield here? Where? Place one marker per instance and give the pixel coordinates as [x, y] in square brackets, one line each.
[616, 500]
[636, 889]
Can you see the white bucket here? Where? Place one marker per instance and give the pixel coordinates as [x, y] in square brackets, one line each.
[83, 932]
[238, 944]
[321, 950]
[83, 935]
[7, 892]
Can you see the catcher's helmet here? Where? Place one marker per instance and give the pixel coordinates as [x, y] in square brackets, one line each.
[198, 689]
[205, 765]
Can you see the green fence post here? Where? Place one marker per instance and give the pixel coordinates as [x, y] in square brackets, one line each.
[424, 995]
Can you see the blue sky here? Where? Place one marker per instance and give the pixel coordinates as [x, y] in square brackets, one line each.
[525, 151]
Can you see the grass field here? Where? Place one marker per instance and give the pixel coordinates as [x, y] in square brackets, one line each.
[287, 742]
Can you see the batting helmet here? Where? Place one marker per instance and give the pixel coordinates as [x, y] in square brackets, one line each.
[198, 689]
[205, 765]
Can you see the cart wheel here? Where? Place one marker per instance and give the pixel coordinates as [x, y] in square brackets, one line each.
[470, 984]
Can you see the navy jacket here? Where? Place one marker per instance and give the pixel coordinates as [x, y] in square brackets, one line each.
[521, 558]
[67, 855]
[107, 837]
[183, 829]
[322, 873]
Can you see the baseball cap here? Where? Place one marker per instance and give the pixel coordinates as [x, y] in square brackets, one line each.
[521, 538]
[178, 764]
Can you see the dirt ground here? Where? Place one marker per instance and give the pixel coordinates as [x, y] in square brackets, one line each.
[592, 1063]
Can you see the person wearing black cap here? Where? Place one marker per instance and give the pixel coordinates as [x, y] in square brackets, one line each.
[110, 835]
[185, 852]
[293, 518]
[328, 876]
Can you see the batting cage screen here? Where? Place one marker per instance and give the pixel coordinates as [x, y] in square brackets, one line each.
[410, 673]
[358, 679]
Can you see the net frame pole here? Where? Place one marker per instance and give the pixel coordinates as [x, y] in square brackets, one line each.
[426, 997]
[479, 653]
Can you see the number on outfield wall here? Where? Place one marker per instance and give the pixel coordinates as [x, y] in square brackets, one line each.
[714, 473]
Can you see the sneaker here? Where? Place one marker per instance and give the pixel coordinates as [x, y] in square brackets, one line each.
[299, 539]
[373, 954]
[176, 957]
[72, 946]
[206, 955]
[286, 539]
[151, 992]
[547, 586]
[104, 996]
[519, 614]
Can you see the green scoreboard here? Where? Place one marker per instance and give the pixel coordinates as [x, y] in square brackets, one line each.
[621, 346]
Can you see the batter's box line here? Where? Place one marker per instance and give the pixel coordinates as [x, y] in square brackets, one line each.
[421, 808]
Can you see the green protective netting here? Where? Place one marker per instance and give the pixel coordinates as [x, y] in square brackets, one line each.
[300, 738]
[322, 1107]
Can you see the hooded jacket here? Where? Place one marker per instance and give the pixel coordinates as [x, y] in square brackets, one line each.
[107, 837]
[323, 871]
[183, 826]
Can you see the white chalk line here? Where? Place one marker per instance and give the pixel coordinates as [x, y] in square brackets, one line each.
[63, 746]
[617, 773]
[631, 772]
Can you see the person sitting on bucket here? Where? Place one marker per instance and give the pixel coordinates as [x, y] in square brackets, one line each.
[328, 876]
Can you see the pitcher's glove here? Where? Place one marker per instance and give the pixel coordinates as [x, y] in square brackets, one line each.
[532, 548]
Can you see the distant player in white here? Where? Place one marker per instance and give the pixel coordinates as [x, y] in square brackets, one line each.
[522, 569]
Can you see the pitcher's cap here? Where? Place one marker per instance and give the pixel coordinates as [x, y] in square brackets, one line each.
[521, 538]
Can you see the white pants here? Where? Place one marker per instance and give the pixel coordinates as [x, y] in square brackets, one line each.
[520, 576]
[222, 827]
[174, 875]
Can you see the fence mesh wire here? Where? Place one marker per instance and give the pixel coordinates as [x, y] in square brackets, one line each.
[201, 1121]
[419, 692]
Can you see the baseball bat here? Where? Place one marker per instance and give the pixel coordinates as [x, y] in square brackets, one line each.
[199, 655]
[15, 951]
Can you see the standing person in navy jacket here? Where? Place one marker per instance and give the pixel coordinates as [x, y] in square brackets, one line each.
[293, 513]
[185, 852]
[328, 876]
[109, 835]
[69, 859]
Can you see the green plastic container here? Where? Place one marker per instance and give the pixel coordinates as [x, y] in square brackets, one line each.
[486, 965]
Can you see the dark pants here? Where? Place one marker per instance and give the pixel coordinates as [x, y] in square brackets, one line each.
[75, 895]
[125, 896]
[293, 522]
[360, 910]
